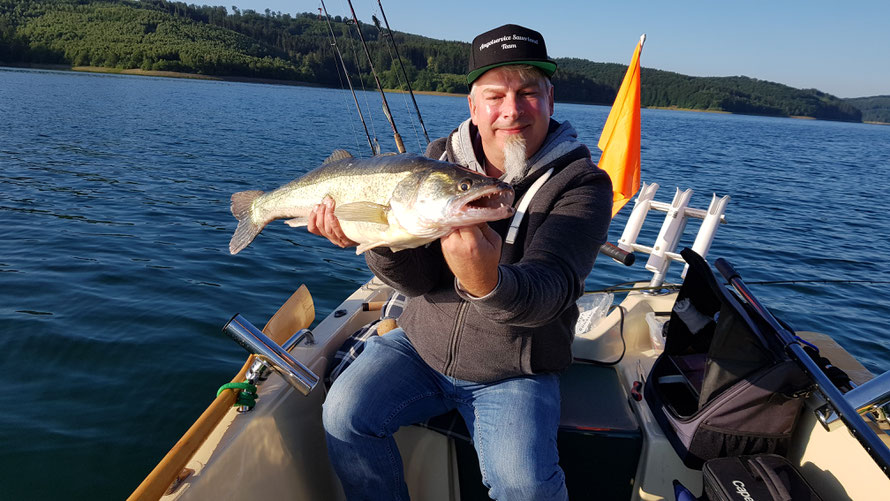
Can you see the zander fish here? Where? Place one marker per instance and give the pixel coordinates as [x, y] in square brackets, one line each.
[397, 201]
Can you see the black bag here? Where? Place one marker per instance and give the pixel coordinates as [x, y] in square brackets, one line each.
[722, 387]
[764, 477]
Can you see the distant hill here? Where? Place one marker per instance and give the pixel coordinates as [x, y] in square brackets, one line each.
[874, 109]
[175, 36]
[732, 94]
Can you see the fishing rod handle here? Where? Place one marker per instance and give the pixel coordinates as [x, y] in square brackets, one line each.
[726, 270]
[618, 254]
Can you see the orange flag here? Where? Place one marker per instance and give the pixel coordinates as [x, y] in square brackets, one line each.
[620, 139]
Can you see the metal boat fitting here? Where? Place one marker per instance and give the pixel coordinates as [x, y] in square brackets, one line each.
[868, 397]
[270, 354]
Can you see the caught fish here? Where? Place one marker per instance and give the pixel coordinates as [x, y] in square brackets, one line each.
[396, 201]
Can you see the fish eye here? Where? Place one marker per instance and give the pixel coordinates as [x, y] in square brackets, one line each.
[465, 184]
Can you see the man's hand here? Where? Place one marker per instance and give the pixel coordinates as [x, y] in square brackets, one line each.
[473, 254]
[322, 221]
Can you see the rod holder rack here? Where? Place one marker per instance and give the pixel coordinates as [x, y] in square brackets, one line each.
[663, 252]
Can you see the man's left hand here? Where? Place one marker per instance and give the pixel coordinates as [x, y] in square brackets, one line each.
[473, 254]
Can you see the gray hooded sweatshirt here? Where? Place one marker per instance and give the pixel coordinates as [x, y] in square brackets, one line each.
[526, 324]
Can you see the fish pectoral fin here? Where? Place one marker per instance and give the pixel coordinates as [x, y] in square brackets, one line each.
[368, 246]
[296, 222]
[367, 212]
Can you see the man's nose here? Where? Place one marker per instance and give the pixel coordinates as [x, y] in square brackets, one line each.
[510, 107]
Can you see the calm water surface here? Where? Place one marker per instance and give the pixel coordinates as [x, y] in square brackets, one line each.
[115, 277]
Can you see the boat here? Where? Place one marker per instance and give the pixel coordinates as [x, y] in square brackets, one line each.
[611, 441]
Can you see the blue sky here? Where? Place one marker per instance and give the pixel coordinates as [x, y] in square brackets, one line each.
[842, 48]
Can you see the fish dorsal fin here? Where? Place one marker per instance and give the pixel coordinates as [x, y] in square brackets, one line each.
[367, 212]
[336, 156]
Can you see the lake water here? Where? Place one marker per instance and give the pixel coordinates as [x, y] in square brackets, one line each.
[115, 276]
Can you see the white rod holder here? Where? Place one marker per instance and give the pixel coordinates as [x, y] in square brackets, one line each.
[690, 212]
[708, 228]
[637, 217]
[671, 230]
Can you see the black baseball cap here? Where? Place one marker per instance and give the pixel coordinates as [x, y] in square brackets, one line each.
[508, 44]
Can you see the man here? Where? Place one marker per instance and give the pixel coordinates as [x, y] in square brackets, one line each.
[490, 315]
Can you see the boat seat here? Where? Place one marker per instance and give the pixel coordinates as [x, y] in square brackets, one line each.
[599, 439]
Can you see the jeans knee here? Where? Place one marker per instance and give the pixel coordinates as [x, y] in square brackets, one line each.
[525, 482]
[338, 416]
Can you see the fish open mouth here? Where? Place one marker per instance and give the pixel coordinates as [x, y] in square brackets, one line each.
[488, 204]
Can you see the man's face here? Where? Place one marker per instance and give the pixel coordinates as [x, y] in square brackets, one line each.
[503, 104]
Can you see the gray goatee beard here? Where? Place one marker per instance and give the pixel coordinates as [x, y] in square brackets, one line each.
[515, 160]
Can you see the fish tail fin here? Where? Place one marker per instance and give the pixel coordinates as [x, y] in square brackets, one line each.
[247, 230]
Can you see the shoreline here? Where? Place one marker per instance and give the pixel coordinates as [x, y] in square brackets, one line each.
[273, 81]
[192, 76]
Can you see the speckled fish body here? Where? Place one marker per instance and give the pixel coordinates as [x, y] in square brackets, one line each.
[397, 201]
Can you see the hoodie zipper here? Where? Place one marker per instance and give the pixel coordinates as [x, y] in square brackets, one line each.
[454, 342]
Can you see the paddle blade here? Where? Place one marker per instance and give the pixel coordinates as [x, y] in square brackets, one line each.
[296, 313]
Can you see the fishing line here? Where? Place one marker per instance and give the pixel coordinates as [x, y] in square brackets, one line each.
[358, 66]
[402, 66]
[392, 57]
[400, 145]
[349, 111]
[817, 281]
[346, 74]
[672, 287]
[364, 92]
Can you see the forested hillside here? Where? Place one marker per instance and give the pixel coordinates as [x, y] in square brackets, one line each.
[174, 36]
[874, 109]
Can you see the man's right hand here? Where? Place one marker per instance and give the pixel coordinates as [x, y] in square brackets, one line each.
[472, 254]
[322, 221]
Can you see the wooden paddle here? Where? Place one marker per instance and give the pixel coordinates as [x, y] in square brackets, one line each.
[296, 313]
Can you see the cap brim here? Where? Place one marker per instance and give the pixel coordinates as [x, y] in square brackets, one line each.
[548, 67]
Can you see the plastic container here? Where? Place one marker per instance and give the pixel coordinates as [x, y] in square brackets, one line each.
[656, 330]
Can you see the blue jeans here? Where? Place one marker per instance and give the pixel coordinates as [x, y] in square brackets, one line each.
[513, 423]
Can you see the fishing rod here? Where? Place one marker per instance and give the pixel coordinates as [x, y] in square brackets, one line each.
[818, 281]
[382, 36]
[841, 404]
[399, 144]
[358, 65]
[620, 288]
[346, 73]
[399, 57]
